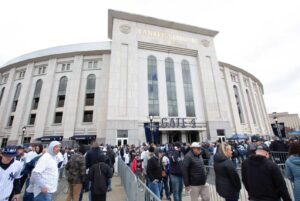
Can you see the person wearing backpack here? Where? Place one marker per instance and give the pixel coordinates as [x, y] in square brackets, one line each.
[99, 174]
[165, 165]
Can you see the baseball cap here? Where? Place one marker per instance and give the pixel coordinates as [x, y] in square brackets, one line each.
[9, 150]
[263, 147]
[195, 145]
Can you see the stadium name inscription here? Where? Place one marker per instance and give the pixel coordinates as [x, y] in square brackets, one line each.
[166, 36]
[177, 123]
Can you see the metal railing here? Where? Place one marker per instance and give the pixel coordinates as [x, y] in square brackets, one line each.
[243, 193]
[279, 157]
[134, 188]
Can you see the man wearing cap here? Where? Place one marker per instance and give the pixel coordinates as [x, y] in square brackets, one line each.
[44, 177]
[193, 172]
[251, 148]
[10, 174]
[262, 178]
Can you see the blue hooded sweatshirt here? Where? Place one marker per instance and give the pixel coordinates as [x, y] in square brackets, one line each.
[292, 172]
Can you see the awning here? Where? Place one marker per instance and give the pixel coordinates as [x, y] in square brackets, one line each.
[83, 137]
[50, 138]
[294, 133]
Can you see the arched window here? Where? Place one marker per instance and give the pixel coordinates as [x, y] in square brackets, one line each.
[238, 104]
[251, 106]
[61, 96]
[188, 89]
[36, 95]
[16, 97]
[90, 90]
[171, 87]
[1, 94]
[153, 99]
[62, 91]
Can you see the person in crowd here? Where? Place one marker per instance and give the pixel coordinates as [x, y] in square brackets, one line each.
[194, 176]
[127, 158]
[60, 163]
[227, 180]
[251, 147]
[144, 158]
[136, 166]
[165, 165]
[44, 177]
[31, 154]
[110, 155]
[66, 158]
[20, 157]
[176, 157]
[91, 157]
[10, 174]
[279, 145]
[76, 175]
[262, 178]
[99, 174]
[292, 168]
[154, 172]
[242, 152]
[28, 196]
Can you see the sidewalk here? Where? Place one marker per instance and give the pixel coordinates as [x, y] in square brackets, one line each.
[117, 193]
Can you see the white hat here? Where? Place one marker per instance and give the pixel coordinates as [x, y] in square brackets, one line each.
[195, 145]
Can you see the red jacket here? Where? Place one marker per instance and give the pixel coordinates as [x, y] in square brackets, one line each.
[135, 165]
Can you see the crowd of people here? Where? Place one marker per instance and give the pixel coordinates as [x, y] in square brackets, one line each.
[167, 169]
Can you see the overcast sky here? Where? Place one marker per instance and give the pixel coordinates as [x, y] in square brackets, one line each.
[260, 36]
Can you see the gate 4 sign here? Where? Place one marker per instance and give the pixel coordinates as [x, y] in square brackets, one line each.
[177, 123]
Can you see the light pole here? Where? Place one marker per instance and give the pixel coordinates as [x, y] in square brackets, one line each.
[151, 128]
[276, 124]
[23, 133]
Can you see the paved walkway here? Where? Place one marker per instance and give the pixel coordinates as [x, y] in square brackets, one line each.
[117, 193]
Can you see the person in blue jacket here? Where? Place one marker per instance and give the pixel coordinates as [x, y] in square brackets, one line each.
[292, 168]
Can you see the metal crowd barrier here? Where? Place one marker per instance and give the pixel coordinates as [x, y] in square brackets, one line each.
[279, 157]
[135, 189]
[243, 193]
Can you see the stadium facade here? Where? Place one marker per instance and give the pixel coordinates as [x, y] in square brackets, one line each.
[109, 90]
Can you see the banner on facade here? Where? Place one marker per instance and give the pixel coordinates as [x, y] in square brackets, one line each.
[151, 132]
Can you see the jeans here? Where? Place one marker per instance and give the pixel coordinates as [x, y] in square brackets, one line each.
[155, 188]
[177, 186]
[43, 197]
[27, 196]
[165, 185]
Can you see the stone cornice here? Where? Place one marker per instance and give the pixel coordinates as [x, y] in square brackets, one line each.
[237, 69]
[112, 14]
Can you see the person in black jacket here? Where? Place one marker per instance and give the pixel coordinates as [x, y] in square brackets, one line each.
[262, 177]
[154, 172]
[228, 183]
[99, 174]
[193, 172]
[92, 155]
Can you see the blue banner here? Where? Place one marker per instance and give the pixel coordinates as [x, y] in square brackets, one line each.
[151, 132]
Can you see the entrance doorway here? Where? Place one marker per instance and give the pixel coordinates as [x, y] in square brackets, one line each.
[192, 136]
[121, 141]
[174, 136]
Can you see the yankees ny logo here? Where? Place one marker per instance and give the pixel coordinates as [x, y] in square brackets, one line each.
[11, 176]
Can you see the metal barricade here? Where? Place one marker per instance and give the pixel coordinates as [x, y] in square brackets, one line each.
[135, 189]
[279, 157]
[243, 193]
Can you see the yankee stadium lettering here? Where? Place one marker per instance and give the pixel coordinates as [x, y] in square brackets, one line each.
[177, 123]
